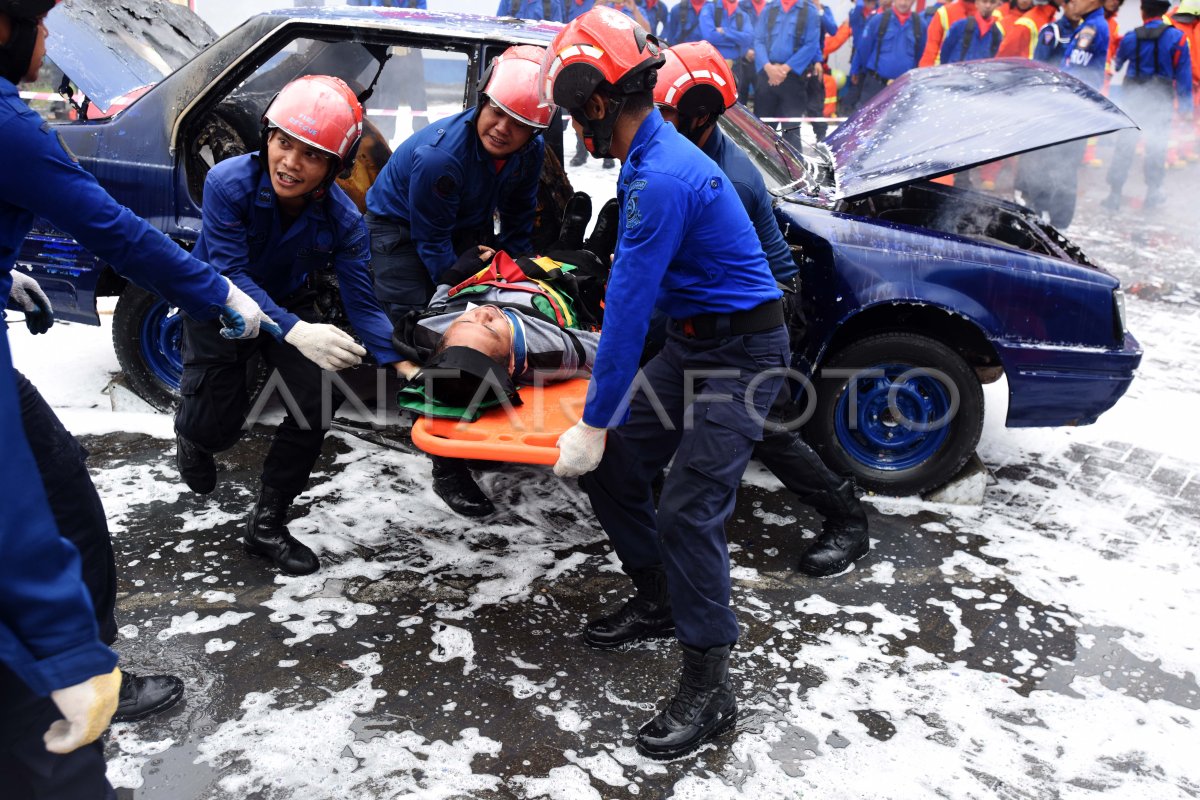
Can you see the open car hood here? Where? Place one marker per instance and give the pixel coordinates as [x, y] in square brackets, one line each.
[935, 121]
[110, 48]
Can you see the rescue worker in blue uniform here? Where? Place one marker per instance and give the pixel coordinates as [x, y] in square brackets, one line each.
[729, 28]
[549, 10]
[432, 207]
[57, 670]
[1158, 77]
[975, 36]
[892, 43]
[686, 246]
[280, 228]
[683, 21]
[787, 48]
[694, 88]
[656, 13]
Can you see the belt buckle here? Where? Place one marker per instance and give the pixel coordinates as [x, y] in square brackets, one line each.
[688, 328]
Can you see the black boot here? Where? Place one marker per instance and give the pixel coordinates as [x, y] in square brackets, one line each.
[702, 709]
[196, 466]
[843, 538]
[609, 163]
[603, 239]
[576, 216]
[581, 154]
[267, 535]
[453, 483]
[646, 615]
[143, 695]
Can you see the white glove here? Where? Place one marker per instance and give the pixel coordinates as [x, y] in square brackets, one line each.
[580, 449]
[241, 318]
[26, 293]
[325, 345]
[87, 707]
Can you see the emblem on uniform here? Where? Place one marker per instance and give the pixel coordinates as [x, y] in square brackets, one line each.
[66, 149]
[633, 211]
[1085, 38]
[445, 186]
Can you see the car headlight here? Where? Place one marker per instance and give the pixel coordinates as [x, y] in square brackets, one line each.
[1119, 313]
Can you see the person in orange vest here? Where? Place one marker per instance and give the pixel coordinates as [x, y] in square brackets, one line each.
[974, 36]
[1186, 17]
[1011, 11]
[1020, 39]
[945, 16]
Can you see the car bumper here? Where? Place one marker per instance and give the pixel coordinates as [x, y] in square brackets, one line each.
[1053, 386]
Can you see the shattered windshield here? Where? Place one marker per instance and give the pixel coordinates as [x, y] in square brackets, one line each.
[784, 170]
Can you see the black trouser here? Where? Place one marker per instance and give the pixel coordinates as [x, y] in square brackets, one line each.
[816, 103]
[1151, 108]
[790, 459]
[788, 99]
[215, 399]
[1049, 180]
[27, 770]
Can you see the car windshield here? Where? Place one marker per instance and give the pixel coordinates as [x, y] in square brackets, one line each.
[784, 170]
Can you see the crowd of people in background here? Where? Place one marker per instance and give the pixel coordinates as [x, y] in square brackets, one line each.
[779, 52]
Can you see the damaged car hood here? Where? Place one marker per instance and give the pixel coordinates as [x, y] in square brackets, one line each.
[108, 49]
[935, 121]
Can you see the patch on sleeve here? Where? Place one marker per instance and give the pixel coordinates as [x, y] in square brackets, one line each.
[445, 187]
[66, 149]
[633, 209]
[1085, 37]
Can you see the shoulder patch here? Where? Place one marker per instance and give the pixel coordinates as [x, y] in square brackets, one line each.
[1085, 37]
[66, 149]
[445, 186]
[633, 210]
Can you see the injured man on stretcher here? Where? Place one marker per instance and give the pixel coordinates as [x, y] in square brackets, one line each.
[497, 322]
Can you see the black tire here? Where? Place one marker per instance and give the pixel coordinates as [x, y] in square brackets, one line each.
[884, 451]
[147, 334]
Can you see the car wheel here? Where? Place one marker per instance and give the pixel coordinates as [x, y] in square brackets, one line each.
[147, 337]
[900, 412]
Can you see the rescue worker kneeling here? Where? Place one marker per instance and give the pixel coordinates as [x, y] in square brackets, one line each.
[273, 222]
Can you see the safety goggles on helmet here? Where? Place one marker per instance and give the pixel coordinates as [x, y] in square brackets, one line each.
[511, 85]
[695, 81]
[321, 111]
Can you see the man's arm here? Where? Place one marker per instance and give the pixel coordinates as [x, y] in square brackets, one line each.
[352, 263]
[808, 50]
[435, 192]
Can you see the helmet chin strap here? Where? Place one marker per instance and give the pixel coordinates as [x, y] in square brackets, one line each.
[16, 55]
[598, 133]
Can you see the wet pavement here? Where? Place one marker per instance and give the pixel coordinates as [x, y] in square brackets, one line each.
[1037, 646]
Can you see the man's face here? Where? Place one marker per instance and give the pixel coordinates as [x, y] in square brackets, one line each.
[986, 7]
[1078, 9]
[1024, 5]
[39, 51]
[1112, 6]
[500, 134]
[483, 328]
[902, 6]
[295, 167]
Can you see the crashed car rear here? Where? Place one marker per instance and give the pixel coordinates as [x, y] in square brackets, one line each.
[916, 293]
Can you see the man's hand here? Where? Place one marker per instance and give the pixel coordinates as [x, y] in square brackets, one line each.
[325, 345]
[580, 449]
[87, 709]
[27, 294]
[776, 73]
[241, 318]
[406, 369]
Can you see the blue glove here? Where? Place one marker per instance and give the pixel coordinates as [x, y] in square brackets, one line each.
[241, 317]
[29, 297]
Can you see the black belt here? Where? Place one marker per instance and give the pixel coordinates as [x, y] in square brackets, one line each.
[712, 326]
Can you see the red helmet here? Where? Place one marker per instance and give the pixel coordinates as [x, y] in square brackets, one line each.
[321, 111]
[511, 82]
[695, 80]
[602, 45]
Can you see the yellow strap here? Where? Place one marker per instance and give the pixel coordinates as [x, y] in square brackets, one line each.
[562, 303]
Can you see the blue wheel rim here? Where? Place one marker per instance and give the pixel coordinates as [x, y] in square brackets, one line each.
[161, 339]
[878, 438]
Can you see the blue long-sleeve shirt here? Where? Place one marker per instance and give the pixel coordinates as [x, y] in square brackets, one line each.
[48, 633]
[896, 53]
[779, 44]
[685, 246]
[575, 9]
[737, 28]
[1167, 57]
[1087, 51]
[752, 191]
[1052, 41]
[242, 236]
[683, 23]
[978, 44]
[656, 14]
[857, 20]
[531, 9]
[441, 180]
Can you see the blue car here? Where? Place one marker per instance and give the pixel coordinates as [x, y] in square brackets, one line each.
[916, 293]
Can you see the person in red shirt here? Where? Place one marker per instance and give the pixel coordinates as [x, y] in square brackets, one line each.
[1020, 38]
